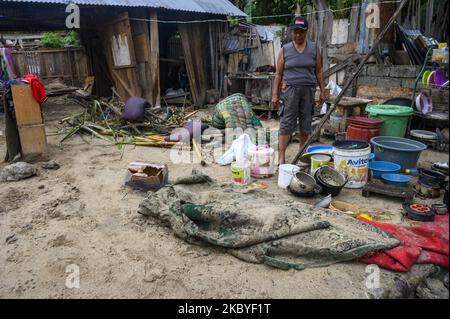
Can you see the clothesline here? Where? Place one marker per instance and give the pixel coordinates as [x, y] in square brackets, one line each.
[262, 17]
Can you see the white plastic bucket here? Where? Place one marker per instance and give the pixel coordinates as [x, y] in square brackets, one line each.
[354, 164]
[241, 173]
[318, 161]
[286, 173]
[262, 161]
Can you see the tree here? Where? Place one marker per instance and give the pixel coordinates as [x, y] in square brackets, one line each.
[257, 8]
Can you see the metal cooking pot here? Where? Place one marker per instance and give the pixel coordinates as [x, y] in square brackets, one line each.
[302, 183]
[432, 178]
[328, 189]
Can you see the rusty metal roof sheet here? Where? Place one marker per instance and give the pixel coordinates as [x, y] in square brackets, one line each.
[219, 7]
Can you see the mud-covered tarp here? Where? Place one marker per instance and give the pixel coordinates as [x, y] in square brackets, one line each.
[258, 227]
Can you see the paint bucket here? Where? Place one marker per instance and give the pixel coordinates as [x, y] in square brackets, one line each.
[351, 158]
[318, 161]
[286, 173]
[262, 161]
[241, 173]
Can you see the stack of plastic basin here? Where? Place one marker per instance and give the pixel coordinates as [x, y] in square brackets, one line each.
[395, 118]
[363, 129]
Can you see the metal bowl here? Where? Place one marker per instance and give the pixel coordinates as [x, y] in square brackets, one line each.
[302, 183]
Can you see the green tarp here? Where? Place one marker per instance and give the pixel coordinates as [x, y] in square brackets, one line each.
[258, 227]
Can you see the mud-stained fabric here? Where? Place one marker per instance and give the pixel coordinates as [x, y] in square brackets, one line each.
[257, 227]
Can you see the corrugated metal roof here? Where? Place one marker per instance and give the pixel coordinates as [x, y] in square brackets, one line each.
[222, 7]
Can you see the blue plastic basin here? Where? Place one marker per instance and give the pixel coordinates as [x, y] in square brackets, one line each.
[397, 180]
[320, 149]
[402, 151]
[380, 168]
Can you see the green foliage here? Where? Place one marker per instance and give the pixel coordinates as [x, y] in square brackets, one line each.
[56, 41]
[72, 39]
[257, 8]
[52, 40]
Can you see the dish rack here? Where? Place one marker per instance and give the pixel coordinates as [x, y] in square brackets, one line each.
[432, 91]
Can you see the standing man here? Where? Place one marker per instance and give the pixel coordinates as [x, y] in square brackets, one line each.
[299, 70]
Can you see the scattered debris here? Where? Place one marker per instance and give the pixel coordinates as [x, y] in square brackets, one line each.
[11, 239]
[378, 215]
[146, 176]
[345, 208]
[16, 172]
[196, 177]
[50, 165]
[103, 119]
[325, 202]
[432, 289]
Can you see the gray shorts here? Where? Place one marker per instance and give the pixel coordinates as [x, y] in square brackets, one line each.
[296, 109]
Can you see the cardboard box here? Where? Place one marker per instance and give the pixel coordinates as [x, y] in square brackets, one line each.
[146, 176]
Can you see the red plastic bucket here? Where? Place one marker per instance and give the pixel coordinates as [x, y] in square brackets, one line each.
[362, 132]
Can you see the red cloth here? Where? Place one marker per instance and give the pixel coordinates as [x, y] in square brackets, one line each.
[37, 88]
[427, 243]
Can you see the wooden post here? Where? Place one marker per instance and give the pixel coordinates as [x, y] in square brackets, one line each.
[154, 59]
[354, 21]
[211, 51]
[429, 18]
[325, 29]
[30, 123]
[70, 66]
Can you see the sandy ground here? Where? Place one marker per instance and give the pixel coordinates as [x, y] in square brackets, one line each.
[83, 215]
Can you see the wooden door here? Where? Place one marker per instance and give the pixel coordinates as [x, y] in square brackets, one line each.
[121, 57]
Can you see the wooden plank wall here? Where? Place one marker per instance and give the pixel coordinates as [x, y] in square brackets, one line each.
[194, 38]
[124, 76]
[33, 140]
[68, 64]
[141, 39]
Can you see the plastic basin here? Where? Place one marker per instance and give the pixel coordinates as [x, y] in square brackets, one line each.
[379, 168]
[395, 118]
[396, 180]
[402, 151]
[320, 149]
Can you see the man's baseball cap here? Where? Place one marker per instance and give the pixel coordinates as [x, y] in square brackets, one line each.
[299, 22]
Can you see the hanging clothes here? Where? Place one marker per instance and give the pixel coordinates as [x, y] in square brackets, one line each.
[13, 147]
[7, 71]
[37, 88]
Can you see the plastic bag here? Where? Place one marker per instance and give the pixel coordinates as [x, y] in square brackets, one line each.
[238, 152]
[134, 109]
[324, 109]
[334, 88]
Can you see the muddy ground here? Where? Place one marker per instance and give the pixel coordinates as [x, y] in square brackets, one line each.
[82, 214]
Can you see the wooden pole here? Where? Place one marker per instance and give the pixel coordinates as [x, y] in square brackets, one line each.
[154, 59]
[349, 81]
